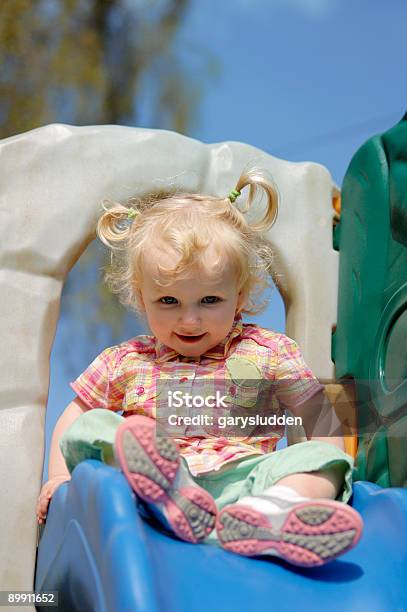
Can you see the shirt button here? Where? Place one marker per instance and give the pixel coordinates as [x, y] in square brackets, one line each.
[139, 390]
[183, 379]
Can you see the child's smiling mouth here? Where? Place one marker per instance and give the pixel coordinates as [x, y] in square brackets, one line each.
[190, 339]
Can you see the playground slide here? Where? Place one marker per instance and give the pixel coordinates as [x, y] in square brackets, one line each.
[102, 556]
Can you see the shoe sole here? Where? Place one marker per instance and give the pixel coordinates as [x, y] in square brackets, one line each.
[312, 534]
[151, 465]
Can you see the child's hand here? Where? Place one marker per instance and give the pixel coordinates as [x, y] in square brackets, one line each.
[47, 492]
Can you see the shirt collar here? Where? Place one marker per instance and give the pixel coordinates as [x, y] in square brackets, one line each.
[220, 351]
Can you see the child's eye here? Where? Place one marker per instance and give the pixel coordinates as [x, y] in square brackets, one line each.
[208, 299]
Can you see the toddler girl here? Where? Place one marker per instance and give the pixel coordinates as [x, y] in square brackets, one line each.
[193, 264]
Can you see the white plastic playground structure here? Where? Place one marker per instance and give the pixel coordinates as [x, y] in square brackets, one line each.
[52, 181]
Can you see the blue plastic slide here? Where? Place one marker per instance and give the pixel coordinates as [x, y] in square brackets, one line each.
[103, 556]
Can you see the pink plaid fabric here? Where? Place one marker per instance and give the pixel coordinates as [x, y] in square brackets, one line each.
[124, 377]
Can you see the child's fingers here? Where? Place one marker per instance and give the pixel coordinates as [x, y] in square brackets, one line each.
[45, 497]
[42, 512]
[43, 503]
[42, 509]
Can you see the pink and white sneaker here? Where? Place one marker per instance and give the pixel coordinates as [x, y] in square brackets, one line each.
[308, 533]
[155, 472]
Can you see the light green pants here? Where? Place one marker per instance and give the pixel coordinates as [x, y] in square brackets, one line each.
[92, 436]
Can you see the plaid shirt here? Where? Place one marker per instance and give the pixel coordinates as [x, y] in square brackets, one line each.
[126, 378]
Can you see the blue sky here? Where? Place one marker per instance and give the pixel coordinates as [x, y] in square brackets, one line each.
[301, 79]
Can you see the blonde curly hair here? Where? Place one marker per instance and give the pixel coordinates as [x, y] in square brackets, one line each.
[183, 227]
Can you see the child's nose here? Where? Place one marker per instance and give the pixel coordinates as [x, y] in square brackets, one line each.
[190, 318]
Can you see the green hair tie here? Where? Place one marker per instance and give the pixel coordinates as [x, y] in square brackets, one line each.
[132, 214]
[233, 195]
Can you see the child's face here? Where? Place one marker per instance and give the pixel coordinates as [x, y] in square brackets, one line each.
[196, 306]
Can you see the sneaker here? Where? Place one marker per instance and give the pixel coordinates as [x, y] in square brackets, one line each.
[155, 472]
[307, 534]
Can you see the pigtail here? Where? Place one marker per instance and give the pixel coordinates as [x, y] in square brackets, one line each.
[258, 181]
[114, 226]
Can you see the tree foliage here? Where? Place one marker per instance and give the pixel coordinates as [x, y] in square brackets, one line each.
[88, 62]
[91, 61]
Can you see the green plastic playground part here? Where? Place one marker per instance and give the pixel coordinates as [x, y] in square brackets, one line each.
[370, 341]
